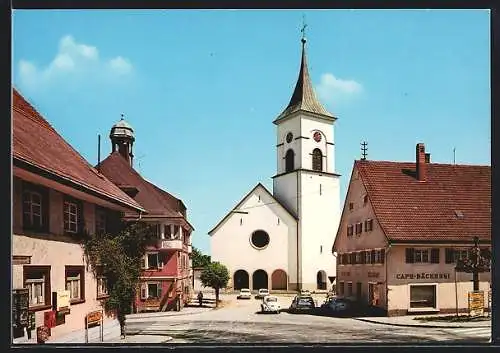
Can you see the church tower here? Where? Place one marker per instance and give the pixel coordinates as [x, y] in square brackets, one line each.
[306, 181]
[122, 139]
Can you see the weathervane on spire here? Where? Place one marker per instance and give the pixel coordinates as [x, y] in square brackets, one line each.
[303, 29]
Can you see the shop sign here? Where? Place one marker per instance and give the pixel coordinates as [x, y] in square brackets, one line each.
[21, 260]
[62, 301]
[476, 303]
[423, 275]
[372, 274]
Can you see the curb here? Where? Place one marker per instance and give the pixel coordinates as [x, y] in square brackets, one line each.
[418, 325]
[180, 314]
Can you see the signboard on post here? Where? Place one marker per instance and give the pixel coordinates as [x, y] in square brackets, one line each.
[94, 318]
[476, 303]
[61, 301]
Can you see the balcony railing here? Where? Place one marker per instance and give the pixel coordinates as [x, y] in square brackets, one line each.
[169, 244]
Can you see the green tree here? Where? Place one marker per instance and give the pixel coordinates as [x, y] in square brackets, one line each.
[216, 276]
[118, 256]
[199, 259]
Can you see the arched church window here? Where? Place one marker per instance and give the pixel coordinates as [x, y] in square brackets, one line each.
[289, 161]
[317, 159]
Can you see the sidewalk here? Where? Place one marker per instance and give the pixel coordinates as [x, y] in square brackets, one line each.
[111, 330]
[408, 321]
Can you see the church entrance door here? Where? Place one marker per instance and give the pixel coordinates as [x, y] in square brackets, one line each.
[259, 280]
[279, 280]
[241, 280]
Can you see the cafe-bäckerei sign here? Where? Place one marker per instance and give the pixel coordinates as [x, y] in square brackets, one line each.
[423, 275]
[476, 303]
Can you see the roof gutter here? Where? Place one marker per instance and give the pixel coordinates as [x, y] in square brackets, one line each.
[31, 167]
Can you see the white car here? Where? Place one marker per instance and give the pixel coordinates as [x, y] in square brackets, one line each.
[245, 294]
[270, 304]
[305, 292]
[262, 293]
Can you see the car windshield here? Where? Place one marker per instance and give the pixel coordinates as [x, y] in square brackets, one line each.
[271, 299]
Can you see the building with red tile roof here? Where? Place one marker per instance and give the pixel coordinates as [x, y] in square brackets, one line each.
[57, 195]
[167, 278]
[402, 229]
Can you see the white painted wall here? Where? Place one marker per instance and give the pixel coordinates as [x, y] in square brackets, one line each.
[230, 242]
[308, 126]
[319, 219]
[285, 191]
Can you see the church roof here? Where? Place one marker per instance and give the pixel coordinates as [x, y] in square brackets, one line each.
[235, 208]
[36, 144]
[304, 97]
[158, 202]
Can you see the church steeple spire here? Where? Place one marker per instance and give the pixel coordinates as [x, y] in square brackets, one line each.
[303, 97]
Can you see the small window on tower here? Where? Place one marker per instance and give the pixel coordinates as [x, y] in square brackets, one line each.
[317, 159]
[289, 161]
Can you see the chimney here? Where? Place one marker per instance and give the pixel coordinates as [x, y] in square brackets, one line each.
[421, 162]
[427, 158]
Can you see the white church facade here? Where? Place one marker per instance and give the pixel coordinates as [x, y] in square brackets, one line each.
[283, 240]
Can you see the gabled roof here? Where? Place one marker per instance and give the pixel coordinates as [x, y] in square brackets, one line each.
[157, 202]
[37, 144]
[259, 185]
[411, 210]
[303, 97]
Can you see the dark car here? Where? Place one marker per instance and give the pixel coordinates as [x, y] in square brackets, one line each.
[302, 303]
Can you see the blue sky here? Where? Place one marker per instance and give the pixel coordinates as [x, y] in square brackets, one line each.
[201, 89]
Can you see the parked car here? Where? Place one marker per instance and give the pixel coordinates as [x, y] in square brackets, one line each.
[302, 303]
[244, 294]
[262, 293]
[340, 306]
[270, 304]
[305, 292]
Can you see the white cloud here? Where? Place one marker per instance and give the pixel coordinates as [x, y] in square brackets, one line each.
[71, 60]
[120, 65]
[331, 89]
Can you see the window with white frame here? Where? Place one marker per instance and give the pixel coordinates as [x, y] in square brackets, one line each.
[37, 281]
[70, 217]
[421, 255]
[358, 257]
[75, 282]
[151, 261]
[151, 290]
[102, 284]
[423, 296]
[378, 256]
[368, 257]
[32, 209]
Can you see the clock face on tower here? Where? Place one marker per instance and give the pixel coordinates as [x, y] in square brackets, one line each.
[289, 137]
[317, 136]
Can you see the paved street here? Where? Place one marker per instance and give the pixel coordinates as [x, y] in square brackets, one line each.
[240, 322]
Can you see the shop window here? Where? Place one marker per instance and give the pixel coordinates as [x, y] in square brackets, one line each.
[37, 281]
[75, 283]
[422, 296]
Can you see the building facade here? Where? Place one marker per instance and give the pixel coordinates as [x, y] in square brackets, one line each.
[57, 196]
[166, 282]
[287, 235]
[402, 230]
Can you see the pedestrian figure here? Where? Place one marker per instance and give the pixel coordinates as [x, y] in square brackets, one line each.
[200, 298]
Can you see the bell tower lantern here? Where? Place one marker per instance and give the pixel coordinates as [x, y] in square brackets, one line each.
[122, 140]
